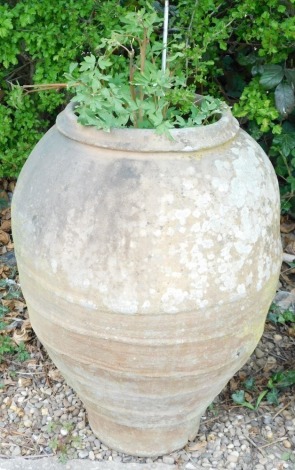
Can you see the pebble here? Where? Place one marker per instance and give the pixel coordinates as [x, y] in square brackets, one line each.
[277, 338]
[83, 454]
[259, 353]
[168, 460]
[16, 451]
[28, 423]
[91, 455]
[287, 444]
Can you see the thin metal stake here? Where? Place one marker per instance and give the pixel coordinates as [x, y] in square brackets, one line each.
[165, 36]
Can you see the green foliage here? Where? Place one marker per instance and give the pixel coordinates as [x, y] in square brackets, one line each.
[9, 348]
[62, 445]
[239, 398]
[125, 85]
[282, 152]
[282, 80]
[44, 38]
[257, 105]
[22, 354]
[6, 346]
[277, 382]
[276, 315]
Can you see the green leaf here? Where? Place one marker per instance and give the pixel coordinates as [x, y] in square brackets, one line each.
[104, 62]
[239, 397]
[284, 98]
[246, 59]
[286, 456]
[282, 379]
[272, 75]
[3, 282]
[286, 142]
[72, 67]
[250, 383]
[4, 203]
[290, 75]
[272, 397]
[289, 316]
[257, 70]
[3, 310]
[260, 398]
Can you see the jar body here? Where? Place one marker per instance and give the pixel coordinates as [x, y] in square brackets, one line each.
[147, 274]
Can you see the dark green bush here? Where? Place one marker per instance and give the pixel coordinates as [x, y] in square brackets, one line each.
[242, 51]
[38, 41]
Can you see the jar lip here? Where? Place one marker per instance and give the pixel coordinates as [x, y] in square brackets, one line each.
[187, 139]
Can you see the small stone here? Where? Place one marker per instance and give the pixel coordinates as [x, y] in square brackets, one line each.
[267, 419]
[83, 454]
[64, 432]
[91, 455]
[168, 460]
[233, 458]
[261, 362]
[190, 466]
[287, 444]
[28, 423]
[81, 425]
[277, 338]
[271, 360]
[259, 354]
[16, 451]
[97, 443]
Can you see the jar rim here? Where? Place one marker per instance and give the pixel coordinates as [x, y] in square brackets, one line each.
[187, 139]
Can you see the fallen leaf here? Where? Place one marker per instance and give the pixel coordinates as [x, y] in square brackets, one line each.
[290, 248]
[8, 303]
[197, 446]
[55, 375]
[4, 237]
[6, 213]
[24, 382]
[19, 306]
[233, 385]
[23, 334]
[287, 227]
[6, 226]
[11, 186]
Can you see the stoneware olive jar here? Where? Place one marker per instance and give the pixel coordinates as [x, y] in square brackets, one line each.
[148, 266]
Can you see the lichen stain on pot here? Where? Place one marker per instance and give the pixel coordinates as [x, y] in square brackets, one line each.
[149, 278]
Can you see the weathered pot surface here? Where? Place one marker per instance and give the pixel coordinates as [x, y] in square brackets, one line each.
[148, 266]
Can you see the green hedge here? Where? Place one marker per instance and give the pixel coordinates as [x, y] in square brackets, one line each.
[242, 51]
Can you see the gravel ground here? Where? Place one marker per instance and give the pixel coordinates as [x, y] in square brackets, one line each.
[41, 416]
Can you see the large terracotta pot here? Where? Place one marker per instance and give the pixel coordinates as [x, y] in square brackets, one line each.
[148, 266]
